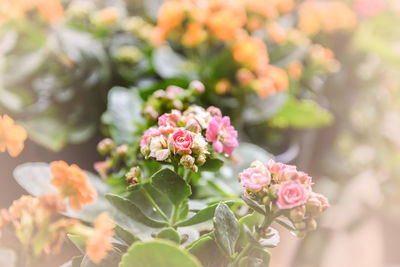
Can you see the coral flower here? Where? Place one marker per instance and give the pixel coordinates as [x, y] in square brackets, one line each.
[72, 183]
[227, 21]
[51, 10]
[250, 51]
[12, 137]
[170, 15]
[194, 34]
[295, 70]
[100, 241]
[222, 134]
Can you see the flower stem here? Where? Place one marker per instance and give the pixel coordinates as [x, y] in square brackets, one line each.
[155, 206]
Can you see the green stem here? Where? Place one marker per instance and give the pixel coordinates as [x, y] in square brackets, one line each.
[175, 211]
[186, 175]
[241, 254]
[155, 206]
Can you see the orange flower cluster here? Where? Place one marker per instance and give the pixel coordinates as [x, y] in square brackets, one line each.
[72, 183]
[100, 241]
[51, 10]
[12, 137]
[32, 220]
[329, 16]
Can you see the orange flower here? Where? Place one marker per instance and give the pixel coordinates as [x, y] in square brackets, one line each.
[12, 137]
[158, 36]
[194, 34]
[108, 15]
[170, 15]
[100, 241]
[276, 32]
[72, 183]
[222, 86]
[51, 10]
[271, 79]
[250, 51]
[329, 16]
[284, 6]
[295, 70]
[226, 20]
[262, 7]
[244, 76]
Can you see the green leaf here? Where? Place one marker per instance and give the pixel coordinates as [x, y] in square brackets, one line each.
[169, 234]
[212, 165]
[286, 223]
[272, 239]
[226, 228]
[172, 185]
[78, 241]
[123, 111]
[112, 260]
[207, 251]
[202, 215]
[250, 221]
[125, 236]
[262, 255]
[253, 204]
[157, 253]
[132, 211]
[300, 114]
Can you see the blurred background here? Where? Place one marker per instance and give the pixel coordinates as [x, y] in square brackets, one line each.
[58, 61]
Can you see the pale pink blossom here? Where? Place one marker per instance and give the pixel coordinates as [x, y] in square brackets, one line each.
[170, 119]
[256, 177]
[369, 7]
[222, 134]
[214, 111]
[291, 194]
[182, 141]
[151, 132]
[159, 148]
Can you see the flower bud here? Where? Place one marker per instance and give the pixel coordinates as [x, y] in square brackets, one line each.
[273, 191]
[297, 213]
[300, 225]
[300, 234]
[132, 177]
[266, 200]
[187, 161]
[311, 225]
[193, 126]
[313, 206]
[159, 93]
[178, 104]
[214, 111]
[105, 146]
[150, 112]
[197, 86]
[121, 150]
[145, 150]
[201, 159]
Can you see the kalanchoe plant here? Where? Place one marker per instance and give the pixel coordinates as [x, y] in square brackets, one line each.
[150, 213]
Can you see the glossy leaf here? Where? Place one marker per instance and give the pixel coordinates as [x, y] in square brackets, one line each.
[132, 211]
[207, 251]
[172, 185]
[169, 234]
[226, 228]
[157, 253]
[253, 204]
[286, 223]
[125, 236]
[202, 215]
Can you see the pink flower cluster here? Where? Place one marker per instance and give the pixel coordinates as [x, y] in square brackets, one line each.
[286, 189]
[181, 136]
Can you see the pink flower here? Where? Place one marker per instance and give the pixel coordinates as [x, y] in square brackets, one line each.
[256, 177]
[291, 194]
[214, 111]
[182, 141]
[151, 132]
[369, 7]
[170, 119]
[222, 134]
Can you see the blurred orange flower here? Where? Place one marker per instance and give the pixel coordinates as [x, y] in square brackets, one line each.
[72, 183]
[222, 86]
[12, 137]
[271, 79]
[276, 32]
[262, 7]
[226, 19]
[51, 10]
[316, 16]
[108, 15]
[170, 15]
[295, 69]
[100, 241]
[194, 34]
[250, 51]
